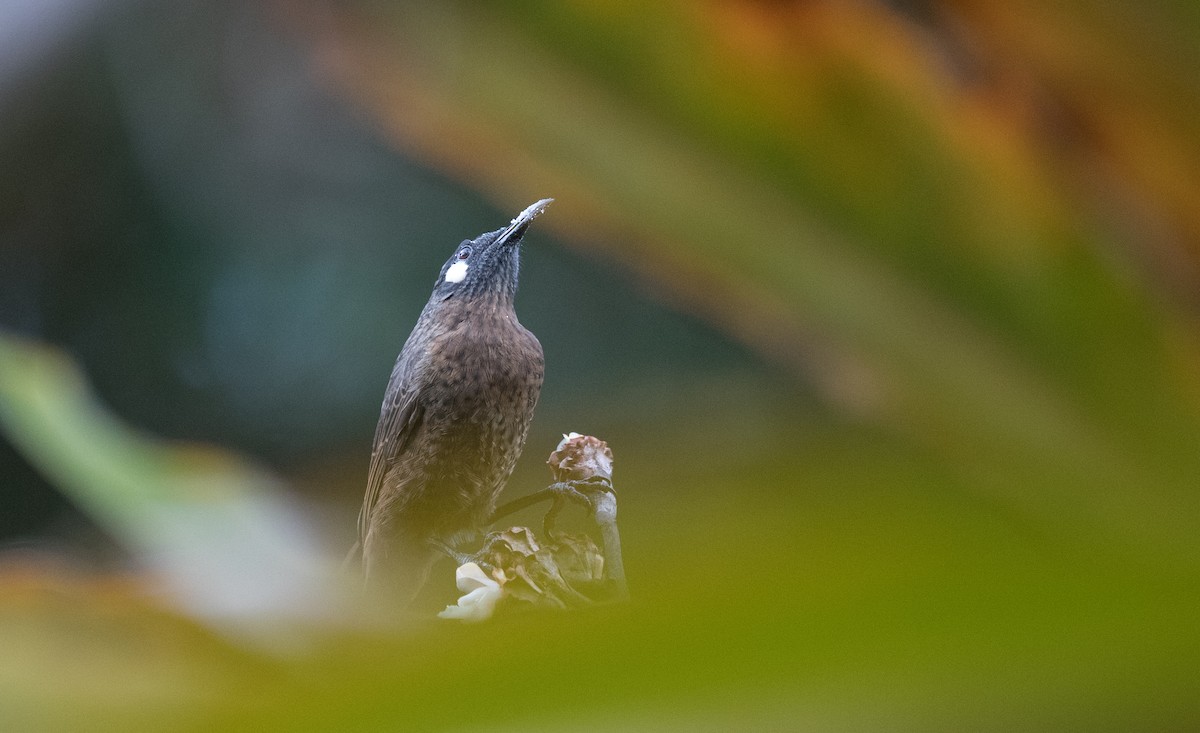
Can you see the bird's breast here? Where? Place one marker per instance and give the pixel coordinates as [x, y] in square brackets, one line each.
[481, 363]
[482, 381]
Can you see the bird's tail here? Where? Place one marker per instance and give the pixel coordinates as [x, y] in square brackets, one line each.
[353, 561]
[399, 568]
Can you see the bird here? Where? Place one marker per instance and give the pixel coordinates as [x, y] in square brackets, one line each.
[455, 415]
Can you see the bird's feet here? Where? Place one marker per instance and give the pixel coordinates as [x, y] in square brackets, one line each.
[585, 492]
[459, 557]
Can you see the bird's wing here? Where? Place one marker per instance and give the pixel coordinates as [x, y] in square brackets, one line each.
[401, 418]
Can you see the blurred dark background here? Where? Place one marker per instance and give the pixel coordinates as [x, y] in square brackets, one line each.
[235, 254]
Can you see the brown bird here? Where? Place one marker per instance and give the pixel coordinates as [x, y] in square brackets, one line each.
[455, 414]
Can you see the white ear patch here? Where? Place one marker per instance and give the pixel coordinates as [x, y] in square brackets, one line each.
[457, 272]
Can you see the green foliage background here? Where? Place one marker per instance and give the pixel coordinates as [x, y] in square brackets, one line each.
[961, 494]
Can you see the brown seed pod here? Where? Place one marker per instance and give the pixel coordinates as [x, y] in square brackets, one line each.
[581, 457]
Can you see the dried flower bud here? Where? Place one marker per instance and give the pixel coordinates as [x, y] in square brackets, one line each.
[548, 575]
[580, 457]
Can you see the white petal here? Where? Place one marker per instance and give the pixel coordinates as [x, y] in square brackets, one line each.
[470, 576]
[478, 605]
[460, 613]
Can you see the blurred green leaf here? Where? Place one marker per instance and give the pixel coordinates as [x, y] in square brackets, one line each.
[824, 192]
[216, 531]
[973, 228]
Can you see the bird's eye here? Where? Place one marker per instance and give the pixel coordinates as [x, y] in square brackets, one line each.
[464, 253]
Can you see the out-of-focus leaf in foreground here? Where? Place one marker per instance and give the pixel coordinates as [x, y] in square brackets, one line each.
[878, 597]
[823, 183]
[1003, 537]
[215, 531]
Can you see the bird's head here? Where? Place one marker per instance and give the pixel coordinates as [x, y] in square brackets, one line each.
[489, 263]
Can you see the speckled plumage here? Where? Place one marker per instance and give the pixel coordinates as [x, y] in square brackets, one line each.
[455, 415]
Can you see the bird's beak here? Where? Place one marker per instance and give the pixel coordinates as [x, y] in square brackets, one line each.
[512, 233]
